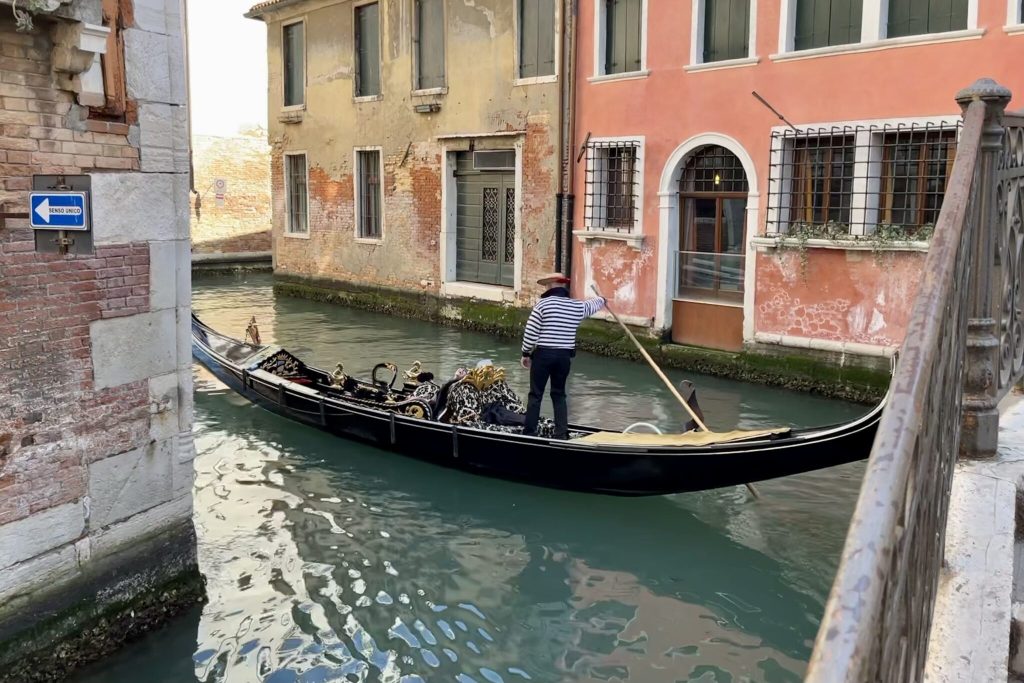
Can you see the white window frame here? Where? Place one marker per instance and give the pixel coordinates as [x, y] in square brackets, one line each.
[288, 232]
[638, 210]
[355, 192]
[414, 38]
[557, 28]
[380, 52]
[867, 172]
[697, 8]
[873, 32]
[305, 66]
[600, 18]
[1014, 18]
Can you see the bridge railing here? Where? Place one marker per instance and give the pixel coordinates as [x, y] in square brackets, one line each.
[941, 400]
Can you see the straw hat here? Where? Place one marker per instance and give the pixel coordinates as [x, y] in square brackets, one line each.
[551, 278]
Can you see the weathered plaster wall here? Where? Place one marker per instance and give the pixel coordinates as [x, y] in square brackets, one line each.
[843, 296]
[96, 415]
[243, 223]
[671, 105]
[480, 99]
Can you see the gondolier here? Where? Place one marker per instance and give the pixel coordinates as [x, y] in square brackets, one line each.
[549, 344]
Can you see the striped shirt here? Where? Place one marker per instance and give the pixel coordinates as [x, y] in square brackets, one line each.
[553, 322]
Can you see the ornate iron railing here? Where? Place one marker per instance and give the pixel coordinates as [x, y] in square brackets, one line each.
[878, 616]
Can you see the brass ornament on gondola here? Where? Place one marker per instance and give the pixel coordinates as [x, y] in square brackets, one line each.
[252, 331]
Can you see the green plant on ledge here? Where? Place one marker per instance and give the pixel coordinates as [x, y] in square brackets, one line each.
[887, 234]
[833, 231]
[882, 238]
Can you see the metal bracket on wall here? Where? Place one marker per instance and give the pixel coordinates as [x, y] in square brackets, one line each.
[13, 215]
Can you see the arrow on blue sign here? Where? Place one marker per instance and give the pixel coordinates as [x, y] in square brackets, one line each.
[58, 210]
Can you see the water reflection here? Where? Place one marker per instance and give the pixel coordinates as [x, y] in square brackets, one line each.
[331, 561]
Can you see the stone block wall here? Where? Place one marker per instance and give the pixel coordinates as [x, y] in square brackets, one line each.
[95, 360]
[243, 223]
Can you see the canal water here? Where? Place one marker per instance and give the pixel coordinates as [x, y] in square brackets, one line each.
[331, 561]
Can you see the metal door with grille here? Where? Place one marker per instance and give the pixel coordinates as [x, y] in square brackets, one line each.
[485, 224]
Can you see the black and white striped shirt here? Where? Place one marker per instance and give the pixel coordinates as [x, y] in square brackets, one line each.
[553, 321]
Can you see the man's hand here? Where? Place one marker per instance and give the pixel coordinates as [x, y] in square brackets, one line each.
[525, 362]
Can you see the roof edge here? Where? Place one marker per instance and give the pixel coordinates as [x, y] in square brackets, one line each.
[258, 10]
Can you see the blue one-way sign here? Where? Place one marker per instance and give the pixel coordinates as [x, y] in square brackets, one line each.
[58, 210]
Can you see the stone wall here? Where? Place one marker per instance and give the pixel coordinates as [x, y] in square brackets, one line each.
[96, 414]
[242, 223]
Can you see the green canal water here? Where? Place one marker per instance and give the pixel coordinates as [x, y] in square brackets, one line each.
[327, 560]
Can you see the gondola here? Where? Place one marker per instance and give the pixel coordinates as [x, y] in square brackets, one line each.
[468, 422]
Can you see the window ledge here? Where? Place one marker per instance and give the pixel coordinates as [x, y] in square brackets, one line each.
[536, 80]
[1017, 29]
[368, 98]
[297, 235]
[724, 64]
[885, 44]
[629, 76]
[427, 92]
[369, 240]
[473, 290]
[633, 239]
[852, 244]
[292, 114]
[710, 299]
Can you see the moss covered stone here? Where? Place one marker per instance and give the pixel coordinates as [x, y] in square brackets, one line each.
[791, 370]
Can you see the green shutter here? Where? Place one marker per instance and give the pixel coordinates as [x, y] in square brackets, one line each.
[827, 22]
[368, 50]
[546, 38]
[726, 29]
[529, 17]
[430, 33]
[623, 35]
[914, 17]
[294, 64]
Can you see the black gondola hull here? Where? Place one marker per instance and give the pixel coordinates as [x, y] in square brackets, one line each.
[561, 464]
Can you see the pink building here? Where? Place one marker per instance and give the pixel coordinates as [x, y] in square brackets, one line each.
[797, 216]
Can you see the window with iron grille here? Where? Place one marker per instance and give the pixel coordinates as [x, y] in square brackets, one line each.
[916, 167]
[726, 30]
[612, 185]
[368, 199]
[854, 180]
[820, 23]
[297, 197]
[915, 17]
[822, 182]
[293, 47]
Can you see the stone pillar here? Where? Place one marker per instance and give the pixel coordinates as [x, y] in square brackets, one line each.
[980, 421]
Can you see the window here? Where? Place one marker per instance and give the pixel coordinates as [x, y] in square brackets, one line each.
[914, 17]
[297, 197]
[536, 38]
[820, 23]
[368, 194]
[623, 33]
[726, 30]
[856, 179]
[367, 23]
[293, 47]
[822, 181]
[713, 191]
[429, 44]
[916, 169]
[612, 190]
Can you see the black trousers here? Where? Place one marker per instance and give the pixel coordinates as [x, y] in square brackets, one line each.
[548, 364]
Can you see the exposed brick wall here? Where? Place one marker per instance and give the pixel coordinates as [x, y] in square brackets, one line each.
[41, 130]
[243, 223]
[52, 421]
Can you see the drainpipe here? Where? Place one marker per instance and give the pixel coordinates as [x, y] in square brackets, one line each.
[564, 206]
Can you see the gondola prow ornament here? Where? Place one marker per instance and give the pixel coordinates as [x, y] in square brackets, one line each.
[252, 332]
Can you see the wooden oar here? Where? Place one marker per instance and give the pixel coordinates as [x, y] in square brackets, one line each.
[668, 383]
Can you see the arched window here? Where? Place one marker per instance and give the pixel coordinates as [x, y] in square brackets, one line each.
[713, 192]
